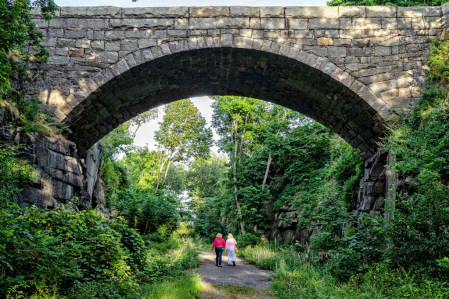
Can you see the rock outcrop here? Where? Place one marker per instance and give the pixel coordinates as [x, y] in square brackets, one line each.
[63, 172]
[370, 197]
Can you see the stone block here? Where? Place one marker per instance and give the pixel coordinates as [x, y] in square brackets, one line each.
[202, 23]
[272, 23]
[419, 11]
[231, 23]
[141, 23]
[177, 33]
[351, 12]
[74, 12]
[255, 23]
[82, 43]
[55, 32]
[373, 23]
[93, 23]
[102, 56]
[74, 52]
[63, 42]
[64, 51]
[367, 95]
[311, 12]
[226, 40]
[97, 44]
[40, 23]
[209, 12]
[427, 23]
[181, 24]
[75, 33]
[244, 11]
[98, 34]
[389, 95]
[380, 87]
[381, 12]
[326, 33]
[146, 43]
[112, 45]
[104, 12]
[297, 23]
[324, 41]
[396, 23]
[155, 12]
[122, 66]
[324, 24]
[272, 12]
[352, 34]
[337, 51]
[343, 42]
[36, 12]
[302, 34]
[114, 35]
[128, 45]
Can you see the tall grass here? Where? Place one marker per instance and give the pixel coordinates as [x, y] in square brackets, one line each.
[295, 278]
[187, 287]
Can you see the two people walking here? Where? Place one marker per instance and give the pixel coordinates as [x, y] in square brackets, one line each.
[229, 245]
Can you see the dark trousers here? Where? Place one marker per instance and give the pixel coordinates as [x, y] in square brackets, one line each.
[218, 254]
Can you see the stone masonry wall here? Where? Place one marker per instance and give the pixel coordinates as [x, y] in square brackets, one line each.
[376, 54]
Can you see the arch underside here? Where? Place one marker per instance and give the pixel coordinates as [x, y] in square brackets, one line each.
[227, 71]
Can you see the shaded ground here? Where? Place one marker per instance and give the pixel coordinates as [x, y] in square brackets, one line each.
[239, 282]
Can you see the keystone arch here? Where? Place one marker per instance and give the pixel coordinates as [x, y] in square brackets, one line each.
[287, 76]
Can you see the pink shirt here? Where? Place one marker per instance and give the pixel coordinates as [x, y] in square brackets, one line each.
[230, 243]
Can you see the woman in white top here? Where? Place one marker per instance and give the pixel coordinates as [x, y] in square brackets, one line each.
[230, 247]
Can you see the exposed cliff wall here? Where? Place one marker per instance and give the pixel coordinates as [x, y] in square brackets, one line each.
[63, 171]
[373, 189]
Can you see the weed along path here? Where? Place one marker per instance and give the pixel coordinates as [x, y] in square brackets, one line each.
[239, 282]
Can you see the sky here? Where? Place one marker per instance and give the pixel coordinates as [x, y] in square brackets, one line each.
[145, 134]
[159, 3]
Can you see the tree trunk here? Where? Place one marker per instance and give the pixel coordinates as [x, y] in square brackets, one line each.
[135, 132]
[242, 225]
[267, 170]
[166, 170]
[160, 172]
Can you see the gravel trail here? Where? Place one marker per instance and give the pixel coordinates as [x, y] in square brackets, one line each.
[240, 275]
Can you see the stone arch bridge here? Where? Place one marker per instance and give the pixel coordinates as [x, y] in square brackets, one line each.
[342, 66]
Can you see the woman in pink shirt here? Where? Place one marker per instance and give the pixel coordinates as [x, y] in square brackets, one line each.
[230, 247]
[219, 245]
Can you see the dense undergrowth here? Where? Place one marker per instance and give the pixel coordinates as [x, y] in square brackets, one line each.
[300, 275]
[70, 254]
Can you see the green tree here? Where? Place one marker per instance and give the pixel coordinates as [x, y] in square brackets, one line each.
[20, 50]
[182, 134]
[143, 166]
[204, 175]
[236, 119]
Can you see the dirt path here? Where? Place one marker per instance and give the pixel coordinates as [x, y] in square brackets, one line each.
[239, 282]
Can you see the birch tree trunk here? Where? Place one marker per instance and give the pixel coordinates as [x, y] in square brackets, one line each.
[242, 225]
[267, 170]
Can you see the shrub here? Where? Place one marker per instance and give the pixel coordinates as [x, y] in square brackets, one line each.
[149, 211]
[63, 249]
